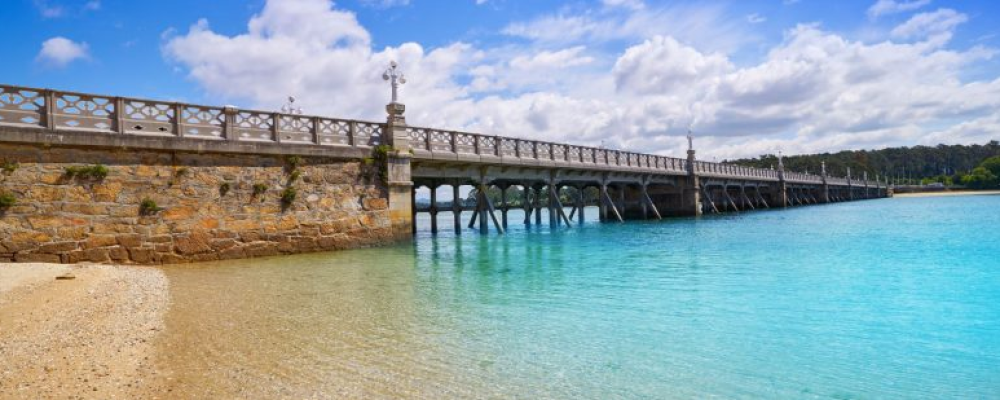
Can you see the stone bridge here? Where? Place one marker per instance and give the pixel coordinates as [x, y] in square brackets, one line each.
[629, 185]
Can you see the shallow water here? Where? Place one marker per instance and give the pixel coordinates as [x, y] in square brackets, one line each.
[893, 298]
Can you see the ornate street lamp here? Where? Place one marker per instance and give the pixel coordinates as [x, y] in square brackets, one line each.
[290, 109]
[396, 77]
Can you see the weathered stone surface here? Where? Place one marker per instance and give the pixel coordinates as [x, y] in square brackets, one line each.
[73, 220]
[194, 243]
[129, 240]
[100, 241]
[57, 247]
[30, 257]
[376, 204]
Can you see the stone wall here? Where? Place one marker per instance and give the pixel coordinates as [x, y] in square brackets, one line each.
[338, 204]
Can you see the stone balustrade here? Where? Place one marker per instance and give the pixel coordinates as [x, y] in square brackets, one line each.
[26, 107]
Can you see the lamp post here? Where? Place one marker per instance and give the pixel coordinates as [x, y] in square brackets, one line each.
[393, 75]
[290, 109]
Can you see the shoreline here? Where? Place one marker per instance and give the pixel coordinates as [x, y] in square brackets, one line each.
[90, 334]
[949, 193]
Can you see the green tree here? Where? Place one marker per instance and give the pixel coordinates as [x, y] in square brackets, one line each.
[980, 178]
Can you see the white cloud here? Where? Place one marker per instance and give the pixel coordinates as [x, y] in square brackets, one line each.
[886, 7]
[631, 4]
[707, 26]
[662, 65]
[60, 52]
[49, 10]
[386, 3]
[552, 59]
[755, 18]
[815, 91]
[53, 9]
[932, 23]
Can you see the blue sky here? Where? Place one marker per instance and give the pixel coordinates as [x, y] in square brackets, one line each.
[748, 77]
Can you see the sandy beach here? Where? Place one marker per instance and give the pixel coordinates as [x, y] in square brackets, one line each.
[87, 334]
[950, 193]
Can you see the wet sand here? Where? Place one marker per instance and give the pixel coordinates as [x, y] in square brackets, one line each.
[86, 337]
[950, 193]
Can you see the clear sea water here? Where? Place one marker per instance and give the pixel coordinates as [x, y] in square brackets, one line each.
[880, 299]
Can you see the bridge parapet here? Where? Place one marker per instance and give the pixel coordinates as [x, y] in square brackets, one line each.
[33, 108]
[439, 144]
[722, 170]
[61, 110]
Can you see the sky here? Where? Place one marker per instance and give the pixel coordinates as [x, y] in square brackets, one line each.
[745, 77]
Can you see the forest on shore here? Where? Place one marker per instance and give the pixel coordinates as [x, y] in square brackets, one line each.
[974, 166]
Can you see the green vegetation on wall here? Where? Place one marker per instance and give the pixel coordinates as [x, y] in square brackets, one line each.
[96, 172]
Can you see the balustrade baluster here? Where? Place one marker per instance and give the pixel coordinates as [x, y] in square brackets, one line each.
[119, 115]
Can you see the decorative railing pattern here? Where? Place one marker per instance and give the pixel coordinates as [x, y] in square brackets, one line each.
[38, 108]
[431, 142]
[60, 110]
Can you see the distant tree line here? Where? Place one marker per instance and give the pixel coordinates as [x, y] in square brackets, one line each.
[976, 166]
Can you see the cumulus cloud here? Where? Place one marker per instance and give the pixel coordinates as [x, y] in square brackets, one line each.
[60, 52]
[815, 91]
[886, 7]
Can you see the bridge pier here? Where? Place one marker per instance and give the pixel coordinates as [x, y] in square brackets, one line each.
[504, 207]
[456, 207]
[691, 202]
[398, 173]
[433, 209]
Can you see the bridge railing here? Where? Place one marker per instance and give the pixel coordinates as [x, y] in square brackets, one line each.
[72, 111]
[723, 170]
[447, 144]
[62, 110]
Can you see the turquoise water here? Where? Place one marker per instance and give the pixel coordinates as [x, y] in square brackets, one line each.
[893, 298]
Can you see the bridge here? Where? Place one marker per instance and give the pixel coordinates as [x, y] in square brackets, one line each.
[628, 185]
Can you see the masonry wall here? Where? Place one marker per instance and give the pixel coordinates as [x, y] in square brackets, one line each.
[339, 204]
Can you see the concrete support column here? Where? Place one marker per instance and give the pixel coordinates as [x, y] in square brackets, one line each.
[603, 204]
[434, 208]
[526, 203]
[538, 204]
[503, 206]
[782, 195]
[621, 200]
[456, 207]
[580, 203]
[824, 192]
[413, 207]
[484, 211]
[691, 201]
[642, 201]
[553, 191]
[400, 182]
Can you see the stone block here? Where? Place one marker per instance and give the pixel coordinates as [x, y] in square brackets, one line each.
[57, 247]
[375, 204]
[92, 255]
[32, 257]
[132, 240]
[222, 244]
[95, 241]
[118, 254]
[142, 256]
[194, 243]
